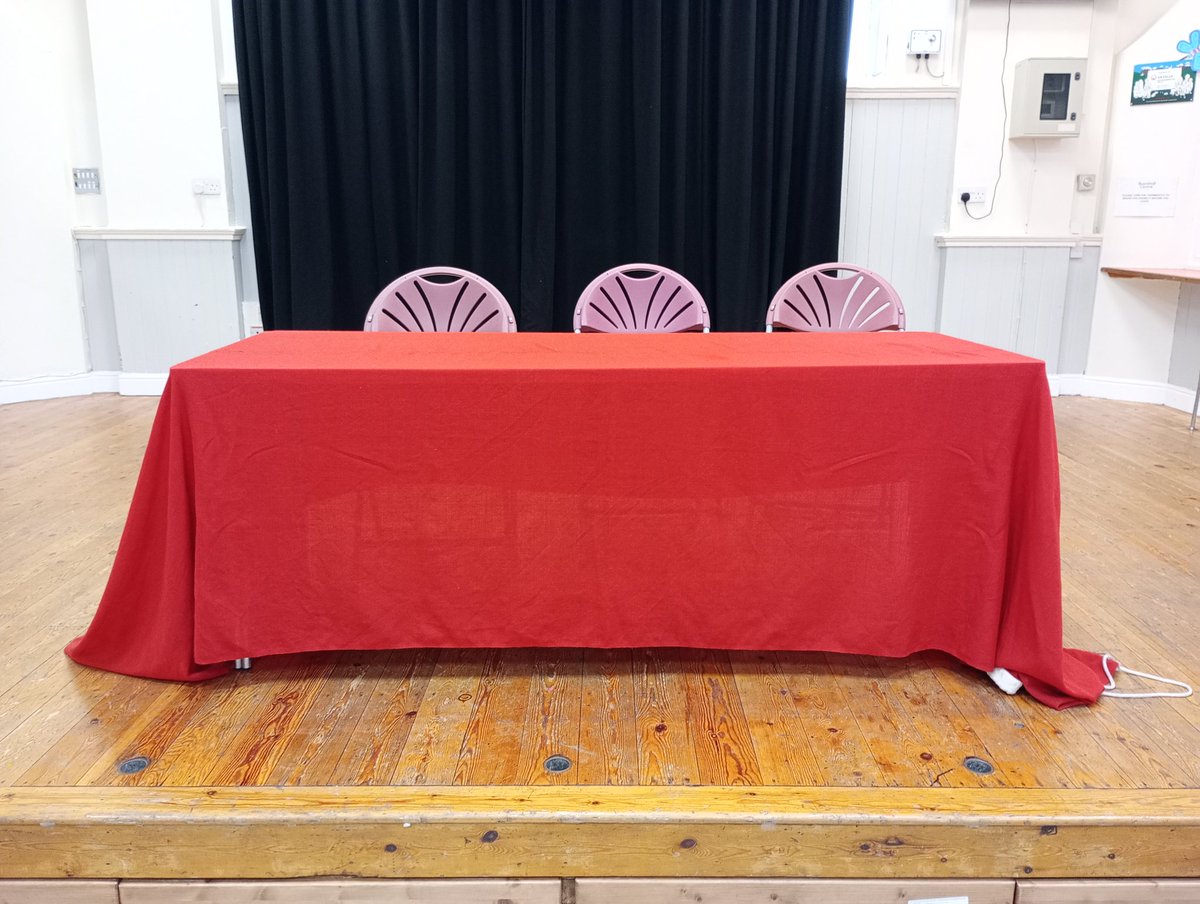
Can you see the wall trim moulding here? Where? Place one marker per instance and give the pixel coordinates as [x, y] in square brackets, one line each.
[1122, 390]
[911, 92]
[113, 233]
[229, 88]
[946, 240]
[61, 386]
[52, 387]
[141, 384]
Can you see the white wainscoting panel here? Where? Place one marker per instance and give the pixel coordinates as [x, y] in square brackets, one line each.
[1082, 273]
[1185, 349]
[99, 318]
[896, 185]
[1011, 297]
[173, 299]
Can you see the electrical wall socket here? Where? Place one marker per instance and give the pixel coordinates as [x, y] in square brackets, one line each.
[1085, 182]
[206, 186]
[978, 195]
[925, 40]
[86, 180]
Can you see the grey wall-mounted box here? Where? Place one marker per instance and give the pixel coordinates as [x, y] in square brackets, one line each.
[1047, 98]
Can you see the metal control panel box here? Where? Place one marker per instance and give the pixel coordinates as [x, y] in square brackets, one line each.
[1047, 98]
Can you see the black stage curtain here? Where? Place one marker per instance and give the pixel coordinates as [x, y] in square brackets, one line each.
[539, 143]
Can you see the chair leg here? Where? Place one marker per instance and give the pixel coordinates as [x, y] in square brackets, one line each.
[1195, 405]
[242, 664]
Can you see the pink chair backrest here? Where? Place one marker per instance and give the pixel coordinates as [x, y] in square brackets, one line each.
[640, 298]
[822, 299]
[440, 300]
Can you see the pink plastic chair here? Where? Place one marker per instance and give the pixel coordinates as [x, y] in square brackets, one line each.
[440, 300]
[640, 298]
[820, 300]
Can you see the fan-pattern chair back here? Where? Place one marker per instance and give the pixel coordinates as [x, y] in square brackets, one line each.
[440, 300]
[640, 298]
[821, 299]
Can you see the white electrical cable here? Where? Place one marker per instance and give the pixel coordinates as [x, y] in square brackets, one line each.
[1003, 127]
[1112, 683]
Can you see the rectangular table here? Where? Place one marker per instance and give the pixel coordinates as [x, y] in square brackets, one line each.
[877, 493]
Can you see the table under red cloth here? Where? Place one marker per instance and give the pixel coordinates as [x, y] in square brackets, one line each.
[879, 493]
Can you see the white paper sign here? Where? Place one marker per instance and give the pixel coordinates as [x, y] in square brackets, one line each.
[961, 900]
[1145, 197]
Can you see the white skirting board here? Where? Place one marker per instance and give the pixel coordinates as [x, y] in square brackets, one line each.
[62, 385]
[1122, 390]
[55, 387]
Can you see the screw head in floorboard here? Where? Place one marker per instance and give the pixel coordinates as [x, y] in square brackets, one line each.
[979, 766]
[557, 763]
[133, 764]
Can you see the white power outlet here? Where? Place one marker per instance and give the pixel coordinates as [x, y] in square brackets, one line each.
[976, 195]
[206, 186]
[925, 40]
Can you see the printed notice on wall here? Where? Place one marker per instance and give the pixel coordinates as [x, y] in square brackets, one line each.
[1145, 197]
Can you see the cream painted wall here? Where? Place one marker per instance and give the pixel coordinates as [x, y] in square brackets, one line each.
[227, 61]
[1136, 16]
[1036, 193]
[41, 324]
[158, 102]
[1134, 320]
[879, 37]
[130, 86]
[153, 109]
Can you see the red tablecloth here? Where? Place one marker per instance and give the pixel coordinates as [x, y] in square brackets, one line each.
[877, 493]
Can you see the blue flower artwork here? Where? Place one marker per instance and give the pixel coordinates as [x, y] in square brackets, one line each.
[1190, 50]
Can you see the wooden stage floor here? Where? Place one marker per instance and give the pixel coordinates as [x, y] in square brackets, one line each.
[681, 762]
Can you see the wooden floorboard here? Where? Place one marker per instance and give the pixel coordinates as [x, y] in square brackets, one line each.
[808, 723]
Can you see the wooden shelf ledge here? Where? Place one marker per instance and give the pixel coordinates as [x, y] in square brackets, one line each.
[1182, 275]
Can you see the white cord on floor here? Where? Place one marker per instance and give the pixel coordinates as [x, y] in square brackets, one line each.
[1112, 682]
